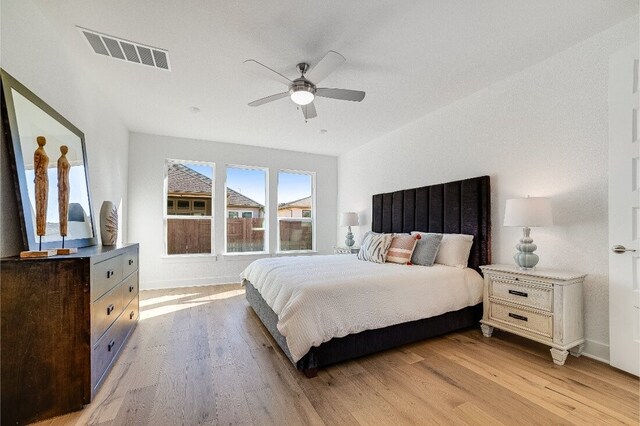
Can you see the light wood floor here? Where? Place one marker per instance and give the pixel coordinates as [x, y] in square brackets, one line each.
[200, 356]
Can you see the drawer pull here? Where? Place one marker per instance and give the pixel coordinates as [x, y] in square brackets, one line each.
[130, 262]
[109, 274]
[111, 344]
[518, 317]
[110, 309]
[131, 315]
[518, 293]
[131, 287]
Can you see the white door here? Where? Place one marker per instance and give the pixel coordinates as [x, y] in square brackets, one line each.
[624, 210]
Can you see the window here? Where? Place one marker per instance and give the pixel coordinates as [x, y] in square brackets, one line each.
[246, 214]
[188, 219]
[295, 211]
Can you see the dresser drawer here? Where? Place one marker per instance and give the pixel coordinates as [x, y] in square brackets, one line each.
[104, 352]
[105, 310]
[536, 322]
[522, 292]
[129, 262]
[106, 275]
[130, 288]
[130, 317]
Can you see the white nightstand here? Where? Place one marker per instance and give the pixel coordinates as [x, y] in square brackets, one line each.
[346, 250]
[542, 305]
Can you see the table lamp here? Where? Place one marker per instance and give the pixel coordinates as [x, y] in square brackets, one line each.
[349, 219]
[527, 212]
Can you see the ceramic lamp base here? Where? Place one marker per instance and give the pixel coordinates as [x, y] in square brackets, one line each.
[525, 258]
[349, 241]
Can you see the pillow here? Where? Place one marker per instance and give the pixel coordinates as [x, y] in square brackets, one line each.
[401, 248]
[454, 250]
[366, 234]
[374, 248]
[426, 248]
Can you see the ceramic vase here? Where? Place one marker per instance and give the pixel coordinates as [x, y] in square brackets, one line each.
[108, 223]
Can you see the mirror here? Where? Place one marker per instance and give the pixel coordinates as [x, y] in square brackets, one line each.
[26, 117]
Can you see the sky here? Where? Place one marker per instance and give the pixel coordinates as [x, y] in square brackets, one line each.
[252, 183]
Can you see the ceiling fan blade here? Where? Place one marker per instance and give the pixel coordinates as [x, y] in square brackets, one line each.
[309, 111]
[261, 68]
[342, 94]
[268, 99]
[325, 67]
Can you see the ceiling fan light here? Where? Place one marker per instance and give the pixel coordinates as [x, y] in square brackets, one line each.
[302, 97]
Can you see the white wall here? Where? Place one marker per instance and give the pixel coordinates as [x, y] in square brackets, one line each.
[35, 55]
[542, 132]
[147, 155]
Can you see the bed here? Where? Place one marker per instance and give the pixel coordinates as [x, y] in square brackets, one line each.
[461, 207]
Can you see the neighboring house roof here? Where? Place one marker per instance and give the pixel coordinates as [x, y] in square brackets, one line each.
[302, 203]
[234, 198]
[183, 180]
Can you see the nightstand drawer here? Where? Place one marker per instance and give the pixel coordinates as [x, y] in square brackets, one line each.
[521, 318]
[522, 292]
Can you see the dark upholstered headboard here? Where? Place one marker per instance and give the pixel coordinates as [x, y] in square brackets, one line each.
[460, 207]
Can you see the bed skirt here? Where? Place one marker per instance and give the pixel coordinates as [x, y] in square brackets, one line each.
[366, 342]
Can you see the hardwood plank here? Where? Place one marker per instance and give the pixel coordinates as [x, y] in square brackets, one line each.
[200, 405]
[231, 403]
[471, 414]
[136, 407]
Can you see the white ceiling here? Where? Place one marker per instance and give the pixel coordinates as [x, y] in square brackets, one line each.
[411, 57]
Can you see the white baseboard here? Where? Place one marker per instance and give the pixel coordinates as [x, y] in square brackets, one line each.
[197, 282]
[596, 350]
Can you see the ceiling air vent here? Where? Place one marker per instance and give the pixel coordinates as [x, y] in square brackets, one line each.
[125, 50]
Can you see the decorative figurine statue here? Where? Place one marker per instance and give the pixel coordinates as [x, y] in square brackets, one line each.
[41, 180]
[63, 191]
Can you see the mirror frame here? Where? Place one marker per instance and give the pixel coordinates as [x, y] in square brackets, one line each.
[10, 130]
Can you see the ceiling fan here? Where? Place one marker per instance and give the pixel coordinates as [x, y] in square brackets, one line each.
[303, 89]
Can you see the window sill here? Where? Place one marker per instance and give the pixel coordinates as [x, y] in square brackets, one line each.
[189, 258]
[296, 253]
[249, 255]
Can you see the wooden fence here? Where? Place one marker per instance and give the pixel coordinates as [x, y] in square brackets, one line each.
[193, 236]
[295, 235]
[188, 236]
[245, 234]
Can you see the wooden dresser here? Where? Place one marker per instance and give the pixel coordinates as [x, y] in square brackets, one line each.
[542, 305]
[64, 321]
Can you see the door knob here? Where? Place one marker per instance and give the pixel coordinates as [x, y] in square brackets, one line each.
[620, 249]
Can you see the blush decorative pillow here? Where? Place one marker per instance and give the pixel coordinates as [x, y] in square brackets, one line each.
[426, 248]
[374, 248]
[454, 250]
[401, 248]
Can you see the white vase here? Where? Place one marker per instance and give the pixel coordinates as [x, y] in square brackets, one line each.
[108, 223]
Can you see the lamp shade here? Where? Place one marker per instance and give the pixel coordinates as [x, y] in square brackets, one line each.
[349, 219]
[529, 212]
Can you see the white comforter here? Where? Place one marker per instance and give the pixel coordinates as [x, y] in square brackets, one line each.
[318, 298]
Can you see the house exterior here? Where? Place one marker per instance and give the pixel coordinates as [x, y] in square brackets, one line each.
[296, 209]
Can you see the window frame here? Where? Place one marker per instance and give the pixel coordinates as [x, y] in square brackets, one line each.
[265, 221]
[166, 216]
[311, 219]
